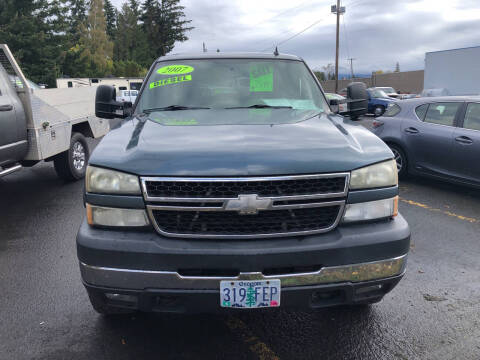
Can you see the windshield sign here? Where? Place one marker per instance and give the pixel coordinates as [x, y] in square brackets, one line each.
[231, 84]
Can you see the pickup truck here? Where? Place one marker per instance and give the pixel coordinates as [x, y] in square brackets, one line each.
[44, 124]
[127, 95]
[232, 185]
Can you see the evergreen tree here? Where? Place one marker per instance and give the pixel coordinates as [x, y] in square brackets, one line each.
[35, 32]
[96, 48]
[164, 24]
[397, 67]
[111, 19]
[78, 16]
[130, 41]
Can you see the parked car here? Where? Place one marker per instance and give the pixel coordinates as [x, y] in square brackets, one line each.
[342, 106]
[438, 137]
[390, 91]
[127, 95]
[233, 185]
[378, 101]
[408, 96]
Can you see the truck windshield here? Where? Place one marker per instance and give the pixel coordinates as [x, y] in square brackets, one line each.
[231, 83]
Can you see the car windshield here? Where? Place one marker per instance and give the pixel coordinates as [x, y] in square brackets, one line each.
[378, 94]
[387, 90]
[231, 83]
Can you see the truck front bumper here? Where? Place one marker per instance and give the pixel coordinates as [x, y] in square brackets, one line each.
[142, 270]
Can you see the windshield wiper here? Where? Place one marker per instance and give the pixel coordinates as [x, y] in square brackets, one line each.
[260, 106]
[174, 108]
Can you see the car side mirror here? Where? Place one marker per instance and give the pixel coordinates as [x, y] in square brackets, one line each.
[357, 100]
[107, 106]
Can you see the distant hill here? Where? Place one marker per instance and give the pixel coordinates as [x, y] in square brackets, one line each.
[347, 75]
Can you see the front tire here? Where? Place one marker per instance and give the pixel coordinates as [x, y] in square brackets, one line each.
[401, 159]
[71, 165]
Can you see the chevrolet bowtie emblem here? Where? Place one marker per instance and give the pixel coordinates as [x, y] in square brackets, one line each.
[248, 204]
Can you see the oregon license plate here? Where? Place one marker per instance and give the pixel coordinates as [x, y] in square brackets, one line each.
[250, 294]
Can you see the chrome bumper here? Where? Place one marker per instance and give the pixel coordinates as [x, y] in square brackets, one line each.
[143, 279]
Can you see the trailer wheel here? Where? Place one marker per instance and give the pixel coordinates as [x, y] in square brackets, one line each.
[72, 164]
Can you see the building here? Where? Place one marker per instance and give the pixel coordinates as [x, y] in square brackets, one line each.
[120, 83]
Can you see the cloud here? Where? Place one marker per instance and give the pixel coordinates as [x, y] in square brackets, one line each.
[377, 33]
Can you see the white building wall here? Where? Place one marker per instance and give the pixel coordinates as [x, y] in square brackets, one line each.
[455, 70]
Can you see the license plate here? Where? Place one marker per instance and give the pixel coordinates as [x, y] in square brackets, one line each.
[250, 294]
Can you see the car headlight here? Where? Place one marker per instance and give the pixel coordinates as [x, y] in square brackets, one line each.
[379, 175]
[104, 181]
[105, 216]
[371, 210]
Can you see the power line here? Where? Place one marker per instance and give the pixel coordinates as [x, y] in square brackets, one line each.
[346, 36]
[308, 2]
[285, 11]
[295, 35]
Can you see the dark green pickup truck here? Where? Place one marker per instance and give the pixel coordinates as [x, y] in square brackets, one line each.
[232, 184]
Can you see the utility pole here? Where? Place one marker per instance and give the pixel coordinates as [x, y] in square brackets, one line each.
[351, 66]
[336, 9]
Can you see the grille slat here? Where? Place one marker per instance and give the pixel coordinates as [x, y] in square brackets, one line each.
[232, 223]
[231, 189]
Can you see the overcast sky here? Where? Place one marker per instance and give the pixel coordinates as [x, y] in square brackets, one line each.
[378, 33]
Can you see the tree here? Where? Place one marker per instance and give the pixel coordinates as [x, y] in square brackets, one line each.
[78, 16]
[164, 24]
[397, 67]
[329, 70]
[96, 48]
[111, 19]
[35, 32]
[320, 75]
[130, 43]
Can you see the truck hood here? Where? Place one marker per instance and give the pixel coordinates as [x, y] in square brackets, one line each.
[206, 143]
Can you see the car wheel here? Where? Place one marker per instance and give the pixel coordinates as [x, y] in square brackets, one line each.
[71, 165]
[99, 304]
[378, 110]
[401, 160]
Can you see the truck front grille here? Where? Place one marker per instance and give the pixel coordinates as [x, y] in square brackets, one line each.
[232, 223]
[245, 207]
[231, 189]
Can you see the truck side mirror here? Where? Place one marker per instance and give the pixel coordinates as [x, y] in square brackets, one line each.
[334, 104]
[107, 106]
[357, 100]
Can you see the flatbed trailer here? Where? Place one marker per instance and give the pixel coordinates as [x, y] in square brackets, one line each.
[44, 124]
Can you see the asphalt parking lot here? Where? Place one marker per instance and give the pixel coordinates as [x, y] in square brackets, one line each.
[434, 313]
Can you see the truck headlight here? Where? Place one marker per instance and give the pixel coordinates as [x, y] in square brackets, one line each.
[104, 181]
[104, 216]
[371, 210]
[379, 175]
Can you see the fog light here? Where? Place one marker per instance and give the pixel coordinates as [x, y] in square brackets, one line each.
[368, 289]
[121, 297]
[379, 209]
[104, 216]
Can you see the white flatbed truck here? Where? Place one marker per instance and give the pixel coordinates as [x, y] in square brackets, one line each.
[44, 124]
